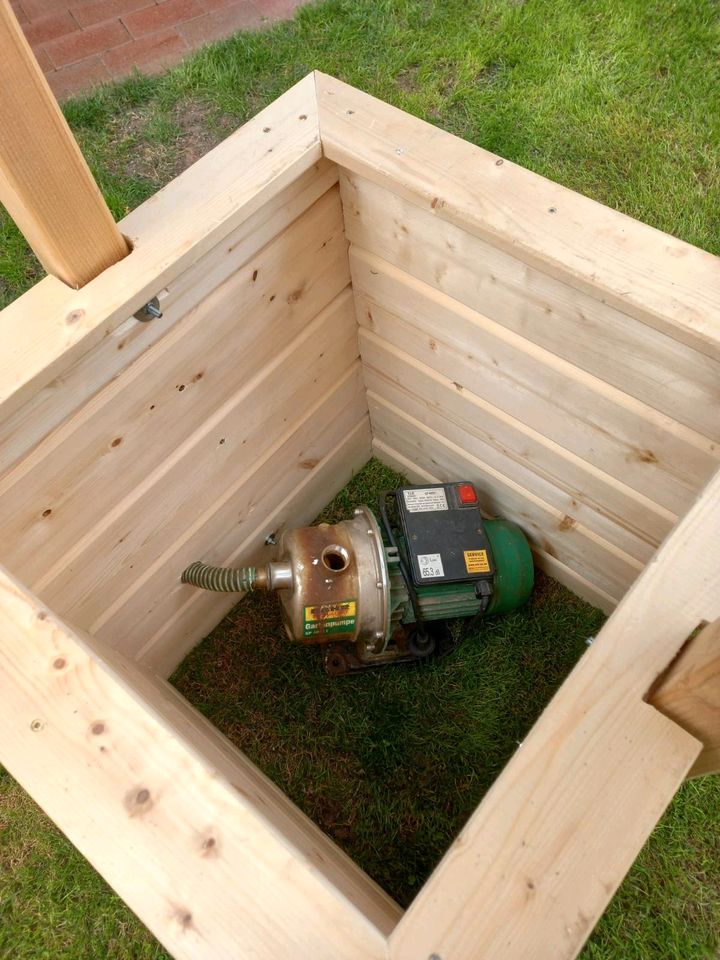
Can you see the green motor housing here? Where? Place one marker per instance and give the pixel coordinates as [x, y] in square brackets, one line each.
[456, 564]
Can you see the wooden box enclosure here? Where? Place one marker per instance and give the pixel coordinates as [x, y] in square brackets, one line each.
[339, 279]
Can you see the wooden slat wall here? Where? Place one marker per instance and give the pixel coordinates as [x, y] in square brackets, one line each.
[665, 283]
[49, 406]
[194, 436]
[51, 326]
[592, 429]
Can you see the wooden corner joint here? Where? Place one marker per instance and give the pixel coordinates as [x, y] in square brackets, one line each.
[688, 692]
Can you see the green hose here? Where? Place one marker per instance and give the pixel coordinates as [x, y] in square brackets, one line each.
[221, 579]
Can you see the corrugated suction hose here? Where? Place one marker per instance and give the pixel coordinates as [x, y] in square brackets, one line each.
[220, 579]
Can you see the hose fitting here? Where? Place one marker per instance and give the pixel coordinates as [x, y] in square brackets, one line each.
[220, 579]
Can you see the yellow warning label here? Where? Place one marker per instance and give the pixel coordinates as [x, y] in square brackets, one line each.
[476, 561]
[325, 618]
[330, 611]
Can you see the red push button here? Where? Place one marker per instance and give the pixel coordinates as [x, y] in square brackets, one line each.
[466, 492]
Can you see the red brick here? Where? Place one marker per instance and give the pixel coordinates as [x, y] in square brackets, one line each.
[78, 77]
[20, 14]
[83, 44]
[240, 15]
[42, 8]
[166, 14]
[96, 11]
[211, 5]
[277, 9]
[47, 28]
[43, 59]
[150, 54]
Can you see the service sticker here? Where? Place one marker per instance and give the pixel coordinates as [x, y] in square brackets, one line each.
[476, 561]
[328, 618]
[431, 565]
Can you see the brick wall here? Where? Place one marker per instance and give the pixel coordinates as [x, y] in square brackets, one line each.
[80, 43]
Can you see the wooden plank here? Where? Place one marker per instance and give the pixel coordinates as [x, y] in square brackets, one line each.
[546, 527]
[576, 583]
[550, 565]
[539, 860]
[141, 537]
[50, 327]
[689, 693]
[144, 419]
[204, 849]
[192, 617]
[49, 407]
[663, 373]
[661, 281]
[570, 484]
[575, 411]
[45, 183]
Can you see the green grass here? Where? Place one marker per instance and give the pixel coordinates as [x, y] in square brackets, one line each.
[615, 98]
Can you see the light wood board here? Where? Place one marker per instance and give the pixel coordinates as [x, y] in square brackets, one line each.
[45, 183]
[661, 281]
[689, 693]
[655, 453]
[664, 373]
[573, 485]
[50, 406]
[128, 435]
[208, 853]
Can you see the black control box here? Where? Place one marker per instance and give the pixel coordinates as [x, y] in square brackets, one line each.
[444, 533]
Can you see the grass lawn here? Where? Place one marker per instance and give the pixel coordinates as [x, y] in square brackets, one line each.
[615, 98]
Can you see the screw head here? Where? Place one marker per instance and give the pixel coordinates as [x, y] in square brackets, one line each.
[150, 311]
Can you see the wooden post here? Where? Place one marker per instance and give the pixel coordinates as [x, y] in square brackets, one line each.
[689, 693]
[45, 183]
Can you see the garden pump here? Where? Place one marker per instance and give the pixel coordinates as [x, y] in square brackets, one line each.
[370, 593]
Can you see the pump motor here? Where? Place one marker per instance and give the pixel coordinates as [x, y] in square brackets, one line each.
[370, 593]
